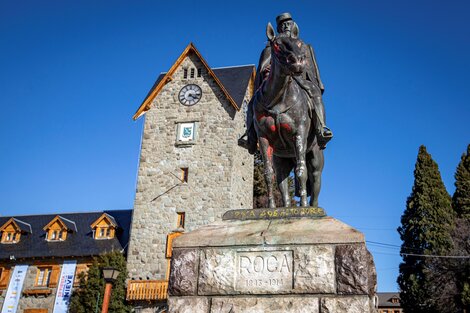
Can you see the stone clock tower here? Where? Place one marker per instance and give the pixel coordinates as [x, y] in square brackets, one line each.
[191, 169]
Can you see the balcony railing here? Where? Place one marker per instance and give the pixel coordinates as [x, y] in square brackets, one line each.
[150, 290]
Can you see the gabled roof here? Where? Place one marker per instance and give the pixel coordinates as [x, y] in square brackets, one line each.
[385, 299]
[164, 78]
[65, 222]
[236, 79]
[22, 226]
[77, 244]
[105, 216]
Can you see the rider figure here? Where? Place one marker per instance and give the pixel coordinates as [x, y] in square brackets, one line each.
[310, 82]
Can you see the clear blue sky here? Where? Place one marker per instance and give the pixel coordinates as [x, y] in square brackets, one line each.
[72, 73]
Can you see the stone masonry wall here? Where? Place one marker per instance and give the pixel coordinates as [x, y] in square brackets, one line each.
[36, 301]
[220, 172]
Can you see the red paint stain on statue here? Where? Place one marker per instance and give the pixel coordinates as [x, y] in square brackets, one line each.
[270, 151]
[286, 127]
[260, 117]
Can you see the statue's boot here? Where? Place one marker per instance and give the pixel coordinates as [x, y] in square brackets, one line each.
[324, 133]
[251, 141]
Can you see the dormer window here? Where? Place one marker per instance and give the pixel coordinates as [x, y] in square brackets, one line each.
[59, 228]
[10, 237]
[104, 227]
[12, 230]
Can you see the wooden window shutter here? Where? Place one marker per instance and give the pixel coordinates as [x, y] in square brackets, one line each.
[169, 243]
[54, 280]
[4, 279]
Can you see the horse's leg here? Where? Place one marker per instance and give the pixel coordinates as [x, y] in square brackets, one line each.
[267, 153]
[315, 162]
[301, 167]
[283, 167]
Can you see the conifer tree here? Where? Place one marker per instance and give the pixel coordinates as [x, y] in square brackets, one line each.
[88, 298]
[461, 197]
[426, 229]
[260, 190]
[461, 206]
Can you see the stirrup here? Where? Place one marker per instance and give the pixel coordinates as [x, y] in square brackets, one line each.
[327, 129]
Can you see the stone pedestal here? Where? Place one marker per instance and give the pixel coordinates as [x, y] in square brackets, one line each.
[278, 265]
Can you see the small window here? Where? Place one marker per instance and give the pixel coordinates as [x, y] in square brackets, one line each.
[180, 221]
[10, 237]
[185, 73]
[192, 73]
[43, 276]
[56, 235]
[103, 233]
[199, 72]
[184, 174]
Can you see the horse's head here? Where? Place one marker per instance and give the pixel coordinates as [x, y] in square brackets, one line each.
[287, 51]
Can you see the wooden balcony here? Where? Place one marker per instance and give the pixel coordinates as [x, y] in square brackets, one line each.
[149, 290]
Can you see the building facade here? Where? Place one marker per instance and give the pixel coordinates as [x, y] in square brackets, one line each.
[191, 168]
[191, 171]
[42, 255]
[389, 302]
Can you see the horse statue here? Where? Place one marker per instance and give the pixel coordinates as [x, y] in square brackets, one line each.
[284, 123]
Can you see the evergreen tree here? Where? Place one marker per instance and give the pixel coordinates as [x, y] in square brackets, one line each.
[461, 206]
[260, 190]
[461, 197]
[88, 298]
[426, 229]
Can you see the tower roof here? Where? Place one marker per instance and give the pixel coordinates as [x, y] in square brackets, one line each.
[232, 81]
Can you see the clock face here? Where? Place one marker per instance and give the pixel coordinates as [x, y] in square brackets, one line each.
[190, 94]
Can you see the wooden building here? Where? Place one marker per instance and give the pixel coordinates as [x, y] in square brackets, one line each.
[389, 302]
[41, 245]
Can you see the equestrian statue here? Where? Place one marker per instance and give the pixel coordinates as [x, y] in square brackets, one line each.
[286, 116]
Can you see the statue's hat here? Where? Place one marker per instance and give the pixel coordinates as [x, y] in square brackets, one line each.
[283, 17]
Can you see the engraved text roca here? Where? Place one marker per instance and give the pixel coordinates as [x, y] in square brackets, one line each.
[264, 271]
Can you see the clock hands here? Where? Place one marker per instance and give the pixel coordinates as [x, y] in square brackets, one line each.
[190, 94]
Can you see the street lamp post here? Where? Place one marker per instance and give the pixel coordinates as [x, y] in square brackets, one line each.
[110, 274]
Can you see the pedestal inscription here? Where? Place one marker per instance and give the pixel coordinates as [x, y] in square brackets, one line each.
[264, 271]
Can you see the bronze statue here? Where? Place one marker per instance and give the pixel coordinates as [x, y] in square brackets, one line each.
[287, 114]
[311, 81]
